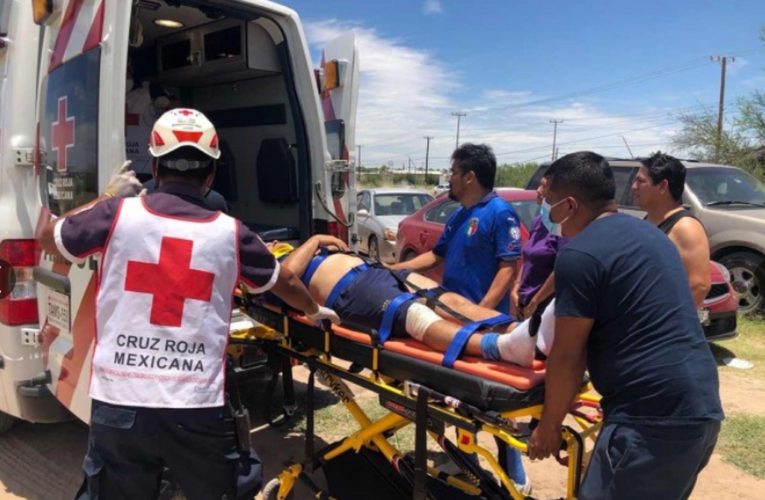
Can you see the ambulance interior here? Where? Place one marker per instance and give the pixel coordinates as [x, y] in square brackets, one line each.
[225, 64]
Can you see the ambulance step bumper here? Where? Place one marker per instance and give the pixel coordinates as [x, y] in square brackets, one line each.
[39, 405]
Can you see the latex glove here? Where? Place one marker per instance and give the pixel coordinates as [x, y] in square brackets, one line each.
[322, 314]
[124, 183]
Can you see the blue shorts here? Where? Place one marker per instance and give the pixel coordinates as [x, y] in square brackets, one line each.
[365, 299]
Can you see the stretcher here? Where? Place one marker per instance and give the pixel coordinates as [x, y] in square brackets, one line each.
[475, 395]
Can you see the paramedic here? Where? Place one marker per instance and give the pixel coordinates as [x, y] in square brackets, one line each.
[533, 292]
[658, 189]
[625, 313]
[169, 267]
[481, 242]
[479, 248]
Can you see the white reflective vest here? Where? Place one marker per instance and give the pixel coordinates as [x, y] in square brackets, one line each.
[163, 309]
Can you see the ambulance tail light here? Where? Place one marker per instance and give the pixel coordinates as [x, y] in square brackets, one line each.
[20, 306]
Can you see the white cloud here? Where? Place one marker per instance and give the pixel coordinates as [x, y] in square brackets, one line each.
[407, 93]
[431, 7]
[733, 68]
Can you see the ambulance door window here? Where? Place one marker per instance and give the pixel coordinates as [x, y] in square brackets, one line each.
[69, 132]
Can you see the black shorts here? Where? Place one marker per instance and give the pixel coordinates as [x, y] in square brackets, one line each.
[365, 299]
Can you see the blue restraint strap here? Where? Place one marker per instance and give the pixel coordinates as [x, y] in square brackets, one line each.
[314, 265]
[343, 283]
[386, 327]
[459, 341]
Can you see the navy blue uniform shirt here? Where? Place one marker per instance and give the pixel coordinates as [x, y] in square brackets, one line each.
[646, 354]
[474, 242]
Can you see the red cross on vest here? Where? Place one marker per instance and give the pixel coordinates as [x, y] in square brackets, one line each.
[62, 134]
[171, 281]
[131, 119]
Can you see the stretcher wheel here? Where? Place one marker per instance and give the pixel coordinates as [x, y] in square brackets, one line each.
[271, 490]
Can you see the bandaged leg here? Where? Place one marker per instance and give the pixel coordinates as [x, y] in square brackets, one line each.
[464, 307]
[419, 318]
[518, 346]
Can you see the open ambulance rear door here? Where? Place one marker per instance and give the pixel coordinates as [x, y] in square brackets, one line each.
[80, 116]
[20, 352]
[339, 89]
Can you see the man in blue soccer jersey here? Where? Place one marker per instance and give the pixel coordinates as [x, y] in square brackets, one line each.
[481, 242]
[479, 248]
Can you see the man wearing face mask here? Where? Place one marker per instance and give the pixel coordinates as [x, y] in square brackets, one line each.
[625, 313]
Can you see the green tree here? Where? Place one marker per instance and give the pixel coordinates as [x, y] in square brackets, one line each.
[742, 142]
[515, 175]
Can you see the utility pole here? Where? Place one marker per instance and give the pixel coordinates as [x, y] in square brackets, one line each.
[459, 115]
[358, 156]
[427, 153]
[724, 62]
[555, 135]
[628, 146]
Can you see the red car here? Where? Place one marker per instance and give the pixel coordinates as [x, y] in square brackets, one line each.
[419, 233]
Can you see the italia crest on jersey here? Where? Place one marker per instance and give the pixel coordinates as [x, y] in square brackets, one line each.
[472, 226]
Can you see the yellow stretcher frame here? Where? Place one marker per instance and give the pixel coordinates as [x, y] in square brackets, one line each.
[372, 434]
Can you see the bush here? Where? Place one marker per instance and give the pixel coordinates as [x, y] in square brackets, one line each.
[515, 175]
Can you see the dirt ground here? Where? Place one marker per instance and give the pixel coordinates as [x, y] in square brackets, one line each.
[42, 462]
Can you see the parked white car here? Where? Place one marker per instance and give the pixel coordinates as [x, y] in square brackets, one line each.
[379, 212]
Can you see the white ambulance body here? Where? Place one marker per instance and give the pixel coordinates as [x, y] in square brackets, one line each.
[66, 125]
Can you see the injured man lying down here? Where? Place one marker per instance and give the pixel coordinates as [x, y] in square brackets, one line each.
[361, 294]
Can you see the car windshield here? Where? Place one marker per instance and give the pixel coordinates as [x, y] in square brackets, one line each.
[526, 210]
[400, 203]
[725, 186]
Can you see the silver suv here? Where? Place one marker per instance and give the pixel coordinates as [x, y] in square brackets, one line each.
[731, 205]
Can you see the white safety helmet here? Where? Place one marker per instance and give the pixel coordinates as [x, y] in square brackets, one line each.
[183, 127]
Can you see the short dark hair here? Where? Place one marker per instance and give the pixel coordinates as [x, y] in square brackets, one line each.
[478, 158]
[196, 176]
[660, 167]
[584, 175]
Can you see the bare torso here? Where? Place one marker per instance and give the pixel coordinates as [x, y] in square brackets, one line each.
[329, 273]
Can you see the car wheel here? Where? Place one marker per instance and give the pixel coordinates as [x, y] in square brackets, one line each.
[374, 248]
[747, 274]
[6, 422]
[409, 255]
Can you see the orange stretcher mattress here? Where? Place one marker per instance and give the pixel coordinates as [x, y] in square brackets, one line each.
[494, 385]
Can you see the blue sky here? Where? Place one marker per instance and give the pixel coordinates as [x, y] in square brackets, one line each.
[513, 65]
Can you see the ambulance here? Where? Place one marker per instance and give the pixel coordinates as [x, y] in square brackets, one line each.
[81, 84]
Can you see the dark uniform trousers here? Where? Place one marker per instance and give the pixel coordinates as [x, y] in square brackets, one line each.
[656, 462]
[129, 447]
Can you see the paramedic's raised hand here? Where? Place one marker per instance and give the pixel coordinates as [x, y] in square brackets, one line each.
[323, 313]
[124, 183]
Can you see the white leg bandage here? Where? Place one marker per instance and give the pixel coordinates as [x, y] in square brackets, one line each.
[419, 317]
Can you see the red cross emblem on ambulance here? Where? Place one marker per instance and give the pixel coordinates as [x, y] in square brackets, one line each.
[171, 281]
[62, 134]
